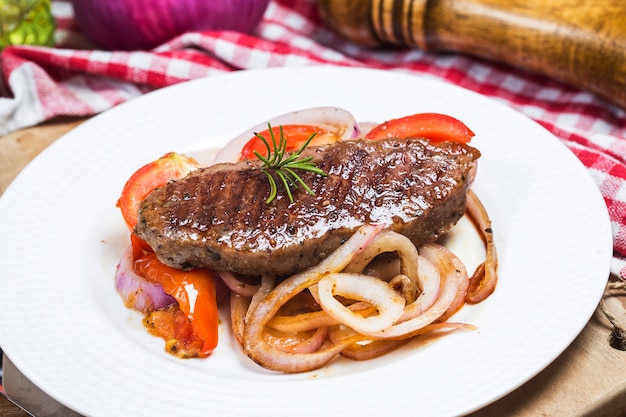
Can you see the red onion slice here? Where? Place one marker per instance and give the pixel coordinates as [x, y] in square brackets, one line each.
[267, 285]
[388, 302]
[238, 307]
[254, 344]
[483, 282]
[451, 261]
[375, 348]
[450, 282]
[315, 319]
[236, 285]
[388, 241]
[306, 343]
[136, 292]
[365, 127]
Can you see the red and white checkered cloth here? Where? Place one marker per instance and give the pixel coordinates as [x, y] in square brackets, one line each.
[72, 79]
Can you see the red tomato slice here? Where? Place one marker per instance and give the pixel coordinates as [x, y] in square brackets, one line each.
[171, 166]
[434, 126]
[296, 136]
[196, 296]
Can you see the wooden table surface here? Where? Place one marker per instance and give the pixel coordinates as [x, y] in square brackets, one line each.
[588, 379]
[8, 409]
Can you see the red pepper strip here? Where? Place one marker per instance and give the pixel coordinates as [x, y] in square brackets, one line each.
[140, 247]
[193, 290]
[434, 126]
[296, 136]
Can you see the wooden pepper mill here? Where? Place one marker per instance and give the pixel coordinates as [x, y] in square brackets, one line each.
[580, 42]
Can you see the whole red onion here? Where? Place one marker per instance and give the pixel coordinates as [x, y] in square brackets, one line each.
[145, 24]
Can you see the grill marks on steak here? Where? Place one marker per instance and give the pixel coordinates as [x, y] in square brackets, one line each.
[217, 218]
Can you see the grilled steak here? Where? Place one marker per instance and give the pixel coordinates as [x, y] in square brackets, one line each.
[217, 218]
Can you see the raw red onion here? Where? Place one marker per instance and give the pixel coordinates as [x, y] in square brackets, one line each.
[145, 24]
[136, 292]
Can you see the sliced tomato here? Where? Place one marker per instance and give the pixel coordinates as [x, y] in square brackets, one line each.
[195, 292]
[434, 126]
[169, 167]
[296, 136]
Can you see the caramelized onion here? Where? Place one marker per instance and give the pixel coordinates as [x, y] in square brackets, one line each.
[388, 302]
[450, 262]
[314, 319]
[430, 284]
[238, 308]
[299, 342]
[450, 282]
[483, 282]
[267, 285]
[374, 348]
[236, 285]
[407, 252]
[371, 349]
[254, 343]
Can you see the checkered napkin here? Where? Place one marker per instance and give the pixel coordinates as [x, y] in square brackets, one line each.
[75, 79]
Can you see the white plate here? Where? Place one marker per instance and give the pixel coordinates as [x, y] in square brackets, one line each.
[65, 328]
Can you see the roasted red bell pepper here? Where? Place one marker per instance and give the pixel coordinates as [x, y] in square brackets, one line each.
[434, 126]
[196, 296]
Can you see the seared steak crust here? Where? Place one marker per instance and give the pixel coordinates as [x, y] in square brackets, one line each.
[217, 218]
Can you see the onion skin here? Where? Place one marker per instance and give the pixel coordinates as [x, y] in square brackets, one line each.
[145, 24]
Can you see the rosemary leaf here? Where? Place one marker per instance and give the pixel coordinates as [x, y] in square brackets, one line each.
[286, 182]
[284, 167]
[273, 190]
[297, 178]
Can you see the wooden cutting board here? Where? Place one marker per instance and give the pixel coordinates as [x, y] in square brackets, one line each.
[588, 379]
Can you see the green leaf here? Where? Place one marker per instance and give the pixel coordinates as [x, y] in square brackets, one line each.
[276, 163]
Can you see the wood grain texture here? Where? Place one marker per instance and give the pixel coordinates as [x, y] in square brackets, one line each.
[22, 146]
[351, 19]
[580, 42]
[8, 409]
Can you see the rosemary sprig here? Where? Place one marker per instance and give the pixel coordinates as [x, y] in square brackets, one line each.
[284, 168]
